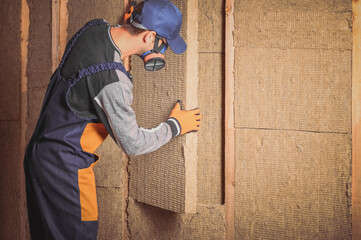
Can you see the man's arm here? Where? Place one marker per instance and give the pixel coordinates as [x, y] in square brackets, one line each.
[116, 99]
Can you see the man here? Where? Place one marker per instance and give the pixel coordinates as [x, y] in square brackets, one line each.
[89, 96]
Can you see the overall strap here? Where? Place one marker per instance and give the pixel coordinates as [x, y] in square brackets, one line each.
[75, 38]
[88, 71]
[96, 68]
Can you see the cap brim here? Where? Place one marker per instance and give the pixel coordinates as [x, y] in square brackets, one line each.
[177, 45]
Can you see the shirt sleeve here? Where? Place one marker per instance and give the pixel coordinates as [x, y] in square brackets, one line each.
[115, 99]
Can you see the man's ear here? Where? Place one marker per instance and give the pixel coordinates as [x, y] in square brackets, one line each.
[149, 37]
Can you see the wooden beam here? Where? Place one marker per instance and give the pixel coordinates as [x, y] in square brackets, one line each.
[63, 26]
[191, 140]
[356, 121]
[127, 59]
[24, 42]
[229, 120]
[55, 32]
[125, 233]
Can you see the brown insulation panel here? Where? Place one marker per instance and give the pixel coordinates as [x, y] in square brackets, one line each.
[158, 178]
[300, 90]
[208, 222]
[210, 138]
[39, 59]
[10, 61]
[292, 185]
[108, 169]
[11, 160]
[293, 119]
[313, 52]
[148, 222]
[110, 212]
[210, 97]
[82, 11]
[39, 48]
[306, 30]
[110, 194]
[211, 26]
[10, 181]
[292, 6]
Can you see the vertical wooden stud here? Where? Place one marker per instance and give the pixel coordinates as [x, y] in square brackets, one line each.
[229, 120]
[63, 26]
[127, 59]
[356, 121]
[55, 34]
[24, 41]
[190, 147]
[125, 233]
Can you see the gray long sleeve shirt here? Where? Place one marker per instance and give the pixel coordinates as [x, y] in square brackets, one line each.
[116, 100]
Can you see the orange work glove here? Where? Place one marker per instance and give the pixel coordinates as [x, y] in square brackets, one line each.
[185, 120]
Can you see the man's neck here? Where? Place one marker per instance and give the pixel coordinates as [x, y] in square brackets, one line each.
[126, 43]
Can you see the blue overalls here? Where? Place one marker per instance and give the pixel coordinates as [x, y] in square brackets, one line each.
[59, 161]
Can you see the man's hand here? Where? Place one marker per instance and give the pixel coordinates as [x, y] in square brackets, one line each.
[187, 120]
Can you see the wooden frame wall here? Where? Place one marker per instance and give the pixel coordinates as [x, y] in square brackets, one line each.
[59, 37]
[356, 121]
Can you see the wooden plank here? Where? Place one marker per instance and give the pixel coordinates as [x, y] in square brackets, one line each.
[55, 34]
[190, 148]
[356, 122]
[125, 233]
[229, 120]
[24, 42]
[63, 26]
[127, 59]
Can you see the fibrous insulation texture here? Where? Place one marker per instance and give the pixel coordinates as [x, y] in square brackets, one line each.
[293, 119]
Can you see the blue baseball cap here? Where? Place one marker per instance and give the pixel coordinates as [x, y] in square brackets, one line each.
[165, 19]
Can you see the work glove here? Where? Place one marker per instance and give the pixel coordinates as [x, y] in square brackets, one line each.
[185, 121]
